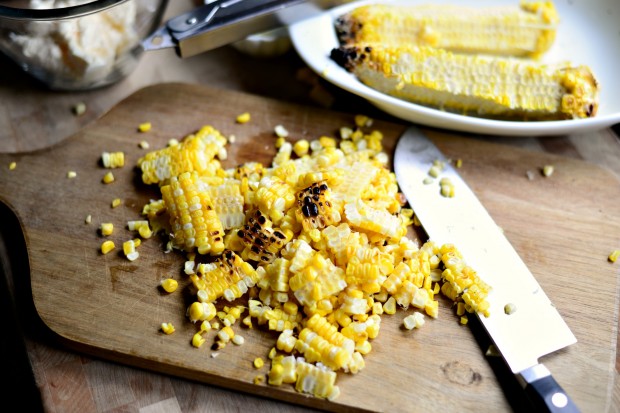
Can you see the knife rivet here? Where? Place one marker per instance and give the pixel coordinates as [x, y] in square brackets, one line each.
[192, 20]
[559, 400]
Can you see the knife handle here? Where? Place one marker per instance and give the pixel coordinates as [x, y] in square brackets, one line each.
[544, 392]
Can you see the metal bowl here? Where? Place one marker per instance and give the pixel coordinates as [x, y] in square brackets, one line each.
[77, 44]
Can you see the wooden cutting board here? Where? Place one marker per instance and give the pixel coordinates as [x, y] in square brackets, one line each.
[563, 226]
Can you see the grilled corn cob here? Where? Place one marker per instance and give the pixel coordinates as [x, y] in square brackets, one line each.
[527, 29]
[475, 85]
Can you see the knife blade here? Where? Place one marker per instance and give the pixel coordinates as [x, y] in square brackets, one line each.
[536, 328]
[221, 22]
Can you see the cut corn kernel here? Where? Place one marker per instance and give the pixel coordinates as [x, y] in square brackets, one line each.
[510, 308]
[169, 285]
[113, 159]
[144, 127]
[258, 363]
[106, 228]
[198, 340]
[79, 109]
[108, 178]
[107, 246]
[144, 145]
[614, 255]
[88, 219]
[547, 170]
[167, 328]
[71, 174]
[12, 165]
[280, 131]
[116, 202]
[243, 118]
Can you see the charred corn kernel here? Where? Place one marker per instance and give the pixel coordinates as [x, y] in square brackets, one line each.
[144, 145]
[198, 340]
[524, 29]
[108, 178]
[107, 246]
[106, 228]
[547, 170]
[280, 131]
[613, 256]
[510, 308]
[167, 328]
[71, 174]
[88, 219]
[258, 363]
[116, 202]
[545, 92]
[113, 159]
[144, 127]
[169, 285]
[243, 118]
[301, 147]
[12, 165]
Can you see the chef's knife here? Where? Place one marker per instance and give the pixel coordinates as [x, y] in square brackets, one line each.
[224, 21]
[522, 336]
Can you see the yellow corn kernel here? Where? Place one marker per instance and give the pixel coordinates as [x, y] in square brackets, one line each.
[71, 174]
[238, 340]
[280, 131]
[458, 163]
[327, 142]
[389, 307]
[510, 308]
[106, 228]
[108, 178]
[79, 109]
[205, 326]
[169, 285]
[547, 170]
[258, 363]
[226, 334]
[243, 118]
[198, 340]
[144, 127]
[259, 379]
[129, 249]
[113, 159]
[362, 120]
[415, 320]
[613, 257]
[301, 147]
[167, 328]
[464, 319]
[200, 311]
[116, 202]
[12, 165]
[144, 145]
[107, 246]
[88, 219]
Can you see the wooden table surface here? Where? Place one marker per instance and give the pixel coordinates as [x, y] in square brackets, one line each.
[31, 117]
